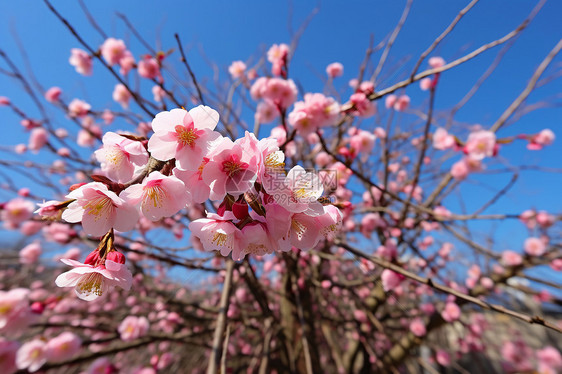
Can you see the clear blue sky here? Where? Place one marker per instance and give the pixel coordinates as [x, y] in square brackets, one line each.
[233, 30]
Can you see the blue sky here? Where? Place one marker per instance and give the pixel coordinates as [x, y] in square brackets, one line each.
[233, 30]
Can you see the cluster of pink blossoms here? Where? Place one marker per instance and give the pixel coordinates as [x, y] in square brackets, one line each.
[260, 209]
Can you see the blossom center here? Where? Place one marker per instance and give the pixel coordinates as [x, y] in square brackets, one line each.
[233, 165]
[186, 135]
[154, 193]
[98, 206]
[91, 284]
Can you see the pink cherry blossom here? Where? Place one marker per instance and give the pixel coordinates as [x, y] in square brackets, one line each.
[14, 310]
[442, 139]
[158, 196]
[282, 93]
[237, 69]
[53, 94]
[200, 190]
[127, 62]
[63, 346]
[511, 258]
[30, 253]
[538, 141]
[133, 327]
[8, 350]
[363, 142]
[122, 95]
[185, 136]
[232, 169]
[4, 101]
[426, 84]
[402, 103]
[78, 108]
[314, 112]
[219, 234]
[119, 156]
[550, 357]
[443, 358]
[32, 355]
[277, 52]
[451, 312]
[113, 50]
[158, 93]
[534, 246]
[91, 282]
[417, 327]
[363, 107]
[390, 279]
[299, 192]
[335, 69]
[390, 101]
[99, 210]
[16, 211]
[81, 61]
[266, 112]
[149, 68]
[436, 62]
[480, 144]
[37, 139]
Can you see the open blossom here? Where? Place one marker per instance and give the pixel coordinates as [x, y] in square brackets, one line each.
[462, 168]
[8, 350]
[282, 93]
[133, 327]
[237, 69]
[99, 210]
[537, 141]
[335, 69]
[219, 234]
[363, 107]
[63, 346]
[122, 95]
[511, 258]
[37, 139]
[81, 61]
[119, 156]
[30, 253]
[232, 168]
[185, 136]
[417, 327]
[158, 93]
[158, 196]
[299, 192]
[149, 68]
[451, 312]
[390, 279]
[480, 144]
[14, 310]
[127, 62]
[16, 211]
[436, 62]
[278, 55]
[534, 246]
[32, 355]
[266, 112]
[78, 108]
[402, 103]
[53, 94]
[314, 112]
[91, 282]
[363, 142]
[200, 190]
[113, 50]
[442, 139]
